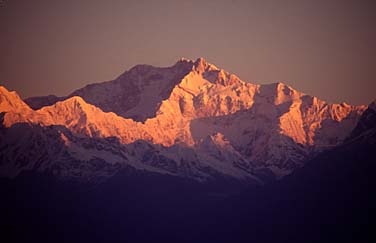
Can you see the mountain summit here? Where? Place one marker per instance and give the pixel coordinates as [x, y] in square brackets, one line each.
[192, 119]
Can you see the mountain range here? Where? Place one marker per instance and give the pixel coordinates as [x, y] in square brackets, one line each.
[192, 120]
[187, 153]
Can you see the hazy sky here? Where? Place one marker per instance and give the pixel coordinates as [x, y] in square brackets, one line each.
[323, 48]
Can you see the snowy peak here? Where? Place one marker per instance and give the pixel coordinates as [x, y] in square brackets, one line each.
[72, 112]
[14, 109]
[75, 102]
[285, 93]
[201, 65]
[213, 74]
[11, 101]
[278, 93]
[137, 93]
[83, 118]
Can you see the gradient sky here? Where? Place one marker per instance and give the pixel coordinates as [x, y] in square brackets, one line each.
[323, 48]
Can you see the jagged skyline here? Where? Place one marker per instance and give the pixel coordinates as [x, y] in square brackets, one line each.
[209, 116]
[322, 48]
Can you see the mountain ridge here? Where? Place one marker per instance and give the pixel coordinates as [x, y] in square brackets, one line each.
[199, 106]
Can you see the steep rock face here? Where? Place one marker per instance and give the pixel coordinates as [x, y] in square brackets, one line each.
[197, 106]
[138, 92]
[205, 92]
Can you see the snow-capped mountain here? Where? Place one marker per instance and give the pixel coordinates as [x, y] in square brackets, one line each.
[192, 119]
